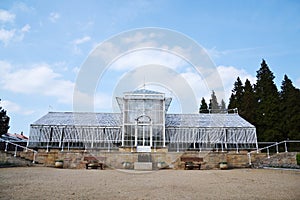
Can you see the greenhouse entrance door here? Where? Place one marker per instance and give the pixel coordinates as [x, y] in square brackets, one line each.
[143, 132]
[144, 135]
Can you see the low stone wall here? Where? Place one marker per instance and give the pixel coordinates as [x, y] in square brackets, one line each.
[211, 160]
[119, 160]
[75, 159]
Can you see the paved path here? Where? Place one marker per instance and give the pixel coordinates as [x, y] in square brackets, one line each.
[51, 183]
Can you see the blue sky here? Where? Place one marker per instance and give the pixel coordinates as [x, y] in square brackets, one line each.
[43, 45]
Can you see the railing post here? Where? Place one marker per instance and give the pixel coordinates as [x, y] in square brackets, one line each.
[268, 153]
[222, 147]
[249, 157]
[277, 148]
[6, 146]
[286, 150]
[16, 148]
[34, 155]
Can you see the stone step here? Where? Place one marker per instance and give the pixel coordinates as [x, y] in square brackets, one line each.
[143, 166]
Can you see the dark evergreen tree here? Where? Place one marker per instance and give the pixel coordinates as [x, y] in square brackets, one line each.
[289, 110]
[235, 100]
[248, 103]
[4, 121]
[203, 107]
[213, 103]
[223, 105]
[267, 112]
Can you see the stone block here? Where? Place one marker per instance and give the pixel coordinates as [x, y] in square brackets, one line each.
[143, 165]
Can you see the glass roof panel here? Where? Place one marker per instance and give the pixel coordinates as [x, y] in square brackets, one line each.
[80, 119]
[206, 120]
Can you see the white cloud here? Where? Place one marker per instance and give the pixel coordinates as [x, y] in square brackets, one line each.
[76, 70]
[146, 57]
[214, 53]
[40, 79]
[11, 34]
[6, 16]
[54, 16]
[6, 35]
[15, 108]
[137, 38]
[107, 52]
[26, 28]
[17, 35]
[21, 6]
[60, 66]
[82, 40]
[78, 42]
[20, 34]
[229, 75]
[198, 84]
[139, 49]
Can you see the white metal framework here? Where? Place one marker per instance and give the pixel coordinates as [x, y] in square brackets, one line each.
[142, 122]
[143, 114]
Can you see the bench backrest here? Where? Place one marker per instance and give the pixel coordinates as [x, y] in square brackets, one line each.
[93, 158]
[191, 159]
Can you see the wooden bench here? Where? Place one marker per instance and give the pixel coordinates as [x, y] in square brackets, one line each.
[94, 162]
[192, 162]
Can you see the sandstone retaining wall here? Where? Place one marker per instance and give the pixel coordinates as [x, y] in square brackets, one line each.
[116, 159]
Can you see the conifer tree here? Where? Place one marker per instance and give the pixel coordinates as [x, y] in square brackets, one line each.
[289, 110]
[235, 100]
[4, 121]
[267, 112]
[213, 103]
[203, 107]
[223, 105]
[248, 103]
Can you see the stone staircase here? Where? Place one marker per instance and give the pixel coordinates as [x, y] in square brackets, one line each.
[20, 159]
[144, 162]
[277, 160]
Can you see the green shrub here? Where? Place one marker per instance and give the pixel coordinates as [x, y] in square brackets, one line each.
[298, 158]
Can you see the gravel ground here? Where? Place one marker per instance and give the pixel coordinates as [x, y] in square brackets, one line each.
[52, 183]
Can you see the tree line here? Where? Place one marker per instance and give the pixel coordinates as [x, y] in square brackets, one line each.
[275, 114]
[4, 121]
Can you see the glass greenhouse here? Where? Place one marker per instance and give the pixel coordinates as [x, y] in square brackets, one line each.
[143, 122]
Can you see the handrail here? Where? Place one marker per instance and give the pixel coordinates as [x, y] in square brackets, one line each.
[272, 145]
[16, 148]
